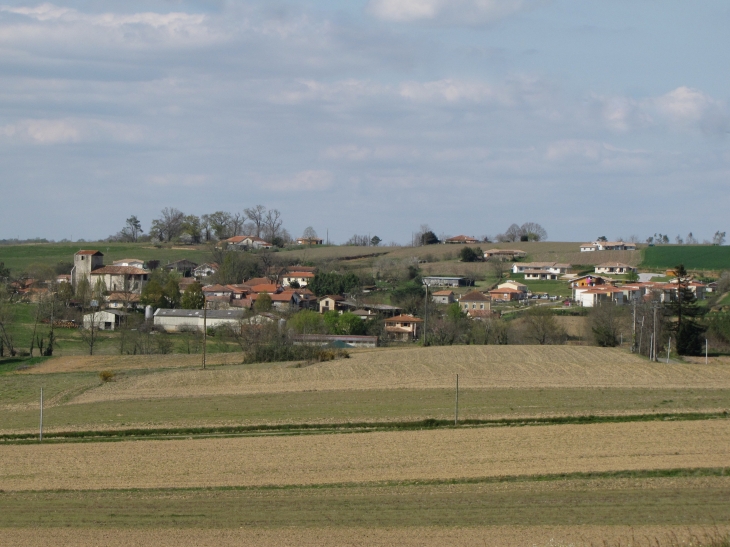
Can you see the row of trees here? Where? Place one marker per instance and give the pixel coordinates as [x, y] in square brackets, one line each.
[173, 225]
[690, 239]
[529, 231]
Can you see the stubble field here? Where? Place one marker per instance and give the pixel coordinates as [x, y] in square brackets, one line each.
[505, 485]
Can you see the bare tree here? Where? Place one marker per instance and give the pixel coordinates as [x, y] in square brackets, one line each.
[272, 224]
[541, 327]
[309, 233]
[237, 220]
[169, 226]
[498, 267]
[7, 320]
[532, 231]
[513, 233]
[257, 215]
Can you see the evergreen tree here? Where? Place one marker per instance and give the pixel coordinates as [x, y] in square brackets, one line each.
[684, 308]
[193, 297]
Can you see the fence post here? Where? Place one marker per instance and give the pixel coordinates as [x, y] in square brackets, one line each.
[456, 408]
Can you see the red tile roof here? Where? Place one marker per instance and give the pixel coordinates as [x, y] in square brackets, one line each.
[476, 296]
[404, 319]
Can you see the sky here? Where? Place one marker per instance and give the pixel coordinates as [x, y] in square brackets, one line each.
[592, 118]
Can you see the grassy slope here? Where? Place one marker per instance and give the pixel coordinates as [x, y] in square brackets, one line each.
[19, 257]
[334, 406]
[694, 257]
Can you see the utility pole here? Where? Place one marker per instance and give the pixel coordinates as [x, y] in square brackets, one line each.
[706, 345]
[425, 317]
[633, 335]
[456, 407]
[205, 330]
[669, 348]
[654, 338]
[40, 434]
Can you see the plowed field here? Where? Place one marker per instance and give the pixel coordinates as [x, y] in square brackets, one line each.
[425, 368]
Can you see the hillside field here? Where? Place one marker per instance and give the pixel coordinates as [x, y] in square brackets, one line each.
[694, 257]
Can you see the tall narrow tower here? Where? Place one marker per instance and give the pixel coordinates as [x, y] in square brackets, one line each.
[85, 262]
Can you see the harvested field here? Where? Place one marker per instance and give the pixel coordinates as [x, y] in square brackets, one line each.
[494, 536]
[362, 458]
[426, 368]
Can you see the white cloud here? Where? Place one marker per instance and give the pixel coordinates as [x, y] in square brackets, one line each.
[680, 109]
[49, 23]
[172, 179]
[468, 12]
[312, 180]
[69, 130]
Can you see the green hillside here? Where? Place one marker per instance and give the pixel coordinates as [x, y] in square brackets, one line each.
[694, 257]
[19, 257]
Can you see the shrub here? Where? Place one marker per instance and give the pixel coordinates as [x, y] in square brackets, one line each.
[107, 376]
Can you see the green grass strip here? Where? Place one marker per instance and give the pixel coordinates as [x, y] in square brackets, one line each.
[680, 472]
[346, 427]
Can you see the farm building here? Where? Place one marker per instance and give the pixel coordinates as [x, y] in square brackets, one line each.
[177, 320]
[442, 281]
[104, 319]
[245, 243]
[184, 267]
[507, 294]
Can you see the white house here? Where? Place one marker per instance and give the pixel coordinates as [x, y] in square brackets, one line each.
[552, 267]
[614, 268]
[302, 278]
[515, 285]
[206, 270]
[443, 297]
[590, 297]
[248, 242]
[540, 275]
[607, 246]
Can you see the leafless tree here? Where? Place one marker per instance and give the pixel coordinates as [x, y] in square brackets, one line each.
[7, 320]
[513, 233]
[498, 267]
[309, 233]
[237, 220]
[541, 327]
[533, 232]
[272, 224]
[257, 215]
[169, 225]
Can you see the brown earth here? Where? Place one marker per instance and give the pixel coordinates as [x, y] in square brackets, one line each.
[421, 368]
[493, 536]
[362, 458]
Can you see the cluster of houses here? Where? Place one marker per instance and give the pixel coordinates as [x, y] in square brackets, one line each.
[231, 303]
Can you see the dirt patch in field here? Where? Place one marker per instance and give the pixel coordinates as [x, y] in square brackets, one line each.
[361, 458]
[494, 536]
[423, 368]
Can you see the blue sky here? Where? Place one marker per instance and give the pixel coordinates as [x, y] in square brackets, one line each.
[372, 116]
